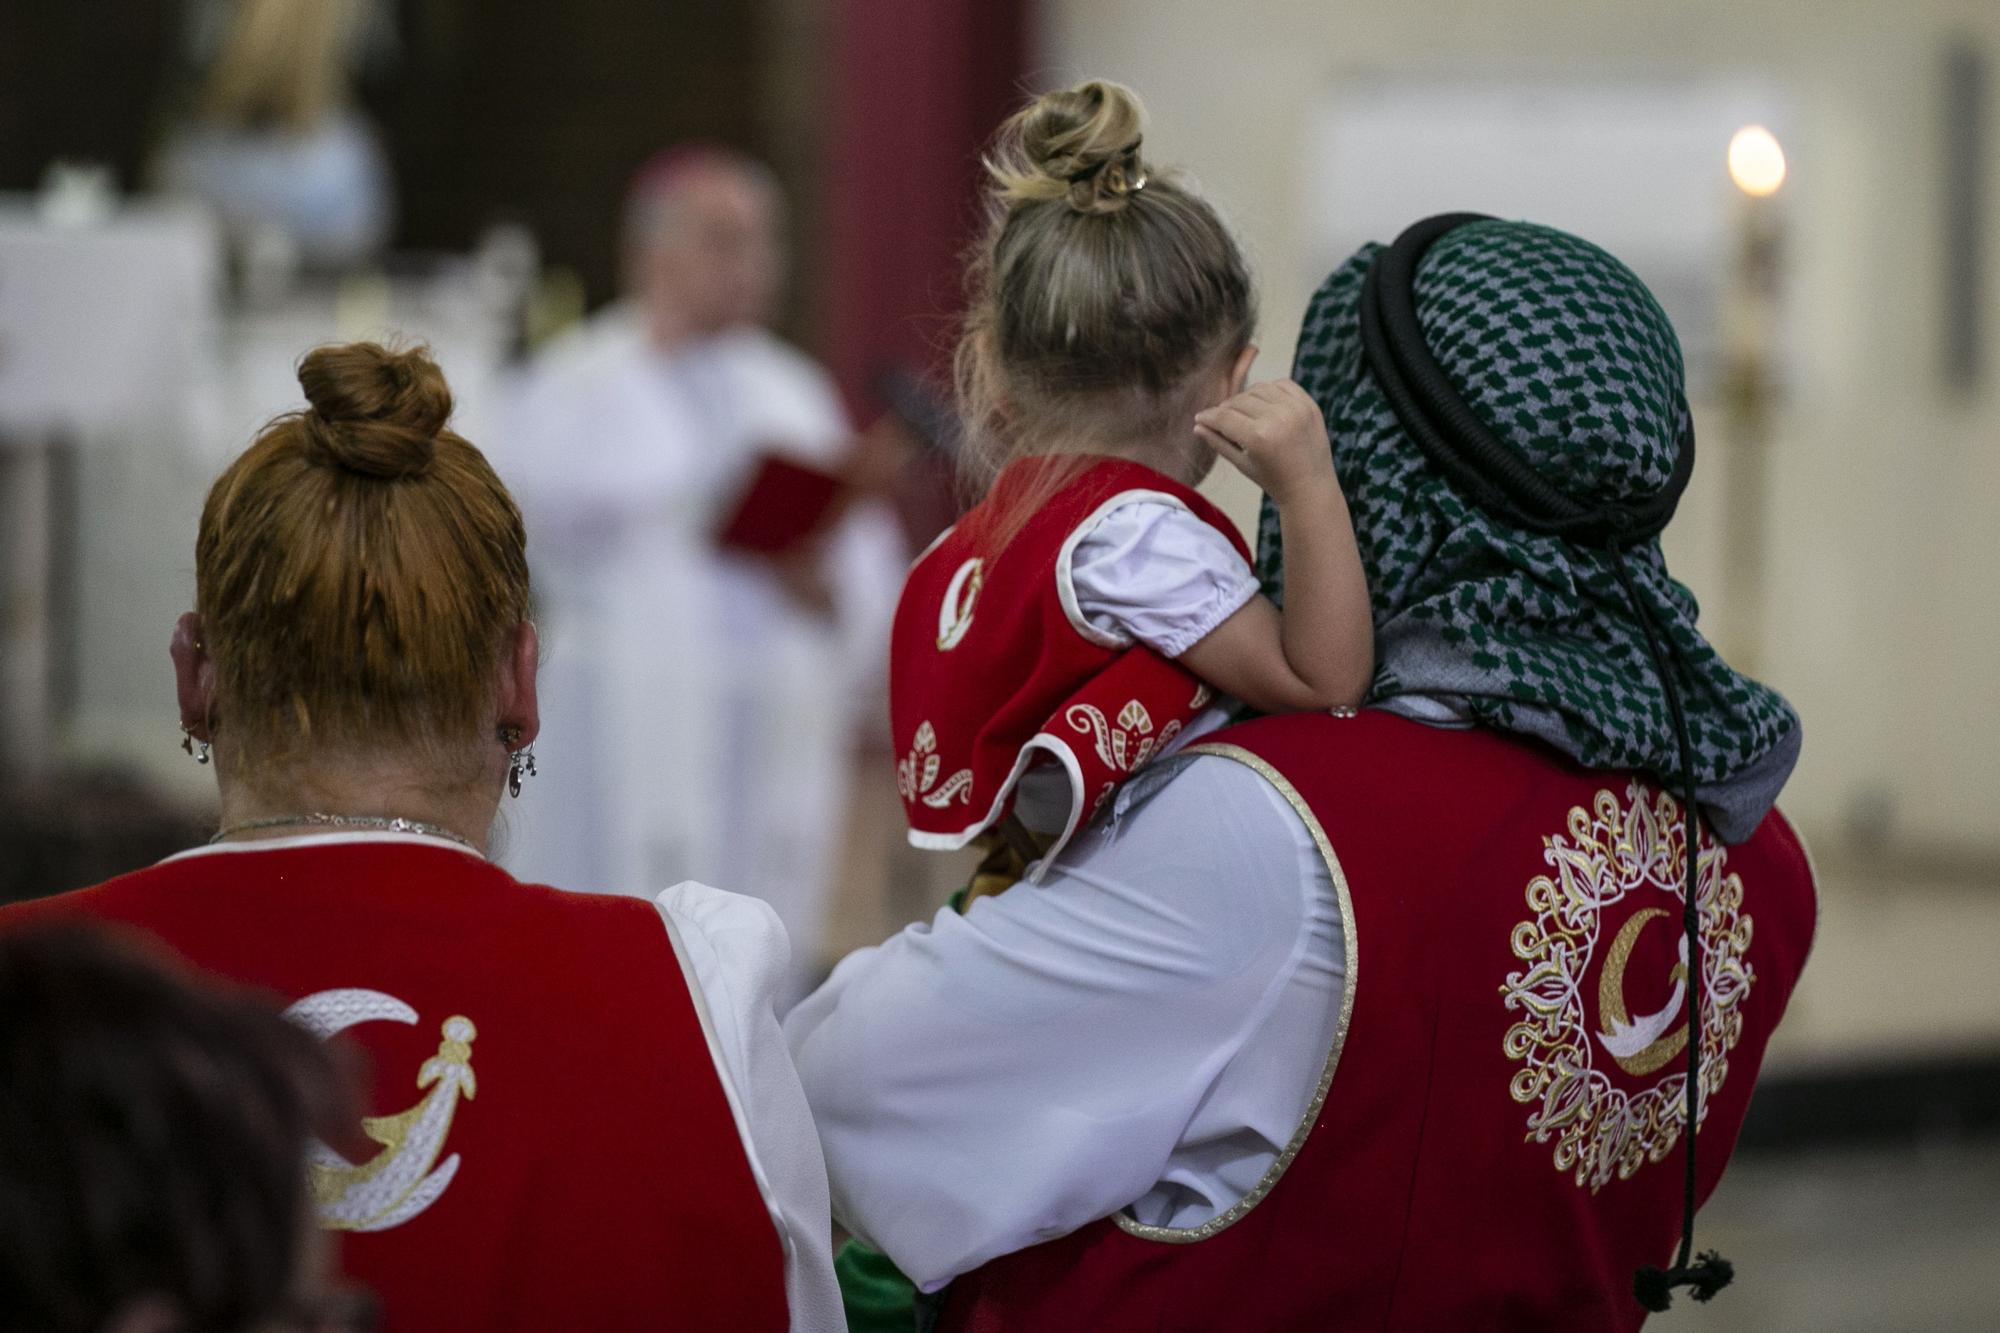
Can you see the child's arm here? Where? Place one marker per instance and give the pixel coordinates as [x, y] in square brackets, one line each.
[1320, 651]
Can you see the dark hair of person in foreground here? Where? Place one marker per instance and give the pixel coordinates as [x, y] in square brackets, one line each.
[153, 1138]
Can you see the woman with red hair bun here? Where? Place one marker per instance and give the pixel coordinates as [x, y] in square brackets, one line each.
[582, 1112]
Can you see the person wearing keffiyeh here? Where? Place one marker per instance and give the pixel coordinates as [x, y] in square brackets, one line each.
[1394, 1020]
[1565, 355]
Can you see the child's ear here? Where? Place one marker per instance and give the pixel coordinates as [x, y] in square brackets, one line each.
[1239, 375]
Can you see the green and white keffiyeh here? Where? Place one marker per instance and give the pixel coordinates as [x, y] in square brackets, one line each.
[1563, 354]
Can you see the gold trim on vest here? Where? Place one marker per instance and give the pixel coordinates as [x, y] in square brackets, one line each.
[1236, 1212]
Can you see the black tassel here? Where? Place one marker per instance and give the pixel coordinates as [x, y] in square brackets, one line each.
[1707, 1275]
[1653, 1288]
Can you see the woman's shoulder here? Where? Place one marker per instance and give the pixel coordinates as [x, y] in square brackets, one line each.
[737, 939]
[731, 949]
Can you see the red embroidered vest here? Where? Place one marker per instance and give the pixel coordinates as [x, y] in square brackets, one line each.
[573, 1162]
[992, 667]
[1500, 1143]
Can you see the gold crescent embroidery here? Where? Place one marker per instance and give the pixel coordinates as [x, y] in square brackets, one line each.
[1611, 850]
[1621, 1032]
[955, 614]
[397, 1182]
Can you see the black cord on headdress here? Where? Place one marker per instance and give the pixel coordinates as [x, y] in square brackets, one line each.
[1497, 479]
[1711, 1273]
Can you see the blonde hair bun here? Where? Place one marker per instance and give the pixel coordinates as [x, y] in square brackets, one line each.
[375, 412]
[1080, 145]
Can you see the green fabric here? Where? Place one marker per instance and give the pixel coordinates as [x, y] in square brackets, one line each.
[1563, 353]
[879, 1299]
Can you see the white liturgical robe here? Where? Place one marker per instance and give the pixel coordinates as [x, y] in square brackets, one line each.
[696, 721]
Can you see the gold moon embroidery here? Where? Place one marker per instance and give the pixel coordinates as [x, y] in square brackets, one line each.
[955, 613]
[1638, 1047]
[1601, 1127]
[398, 1182]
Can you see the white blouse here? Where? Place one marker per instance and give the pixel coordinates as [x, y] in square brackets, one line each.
[1149, 571]
[1146, 1028]
[734, 954]
[1145, 571]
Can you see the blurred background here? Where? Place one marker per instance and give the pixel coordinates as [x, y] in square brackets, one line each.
[193, 192]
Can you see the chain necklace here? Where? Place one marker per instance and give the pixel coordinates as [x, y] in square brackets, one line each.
[388, 823]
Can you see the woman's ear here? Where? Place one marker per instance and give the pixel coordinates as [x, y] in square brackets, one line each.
[518, 705]
[194, 676]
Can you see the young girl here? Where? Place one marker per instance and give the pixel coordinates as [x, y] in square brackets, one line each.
[1089, 614]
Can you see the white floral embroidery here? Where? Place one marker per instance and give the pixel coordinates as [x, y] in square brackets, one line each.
[1126, 745]
[917, 774]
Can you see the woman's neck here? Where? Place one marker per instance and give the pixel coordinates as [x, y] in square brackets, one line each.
[366, 789]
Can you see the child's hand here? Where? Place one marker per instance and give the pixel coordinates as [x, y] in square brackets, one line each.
[1272, 433]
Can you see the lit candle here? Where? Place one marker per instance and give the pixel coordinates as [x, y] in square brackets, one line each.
[1756, 162]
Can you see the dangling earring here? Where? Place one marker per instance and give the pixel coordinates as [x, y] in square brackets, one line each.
[189, 745]
[521, 762]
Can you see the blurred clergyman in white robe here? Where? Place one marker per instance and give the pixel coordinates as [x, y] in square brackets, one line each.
[700, 707]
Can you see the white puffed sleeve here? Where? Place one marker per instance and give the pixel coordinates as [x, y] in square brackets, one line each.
[735, 956]
[1151, 572]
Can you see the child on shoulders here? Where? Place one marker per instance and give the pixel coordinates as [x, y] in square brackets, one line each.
[1093, 611]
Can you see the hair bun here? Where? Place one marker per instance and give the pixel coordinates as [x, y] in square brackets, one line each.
[375, 412]
[1080, 145]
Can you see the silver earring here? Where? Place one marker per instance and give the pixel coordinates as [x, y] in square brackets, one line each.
[522, 764]
[189, 745]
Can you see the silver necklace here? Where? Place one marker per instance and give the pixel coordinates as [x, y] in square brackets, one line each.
[388, 823]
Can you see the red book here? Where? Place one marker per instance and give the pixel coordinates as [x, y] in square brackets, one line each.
[784, 504]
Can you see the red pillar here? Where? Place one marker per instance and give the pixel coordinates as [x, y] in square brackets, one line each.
[917, 89]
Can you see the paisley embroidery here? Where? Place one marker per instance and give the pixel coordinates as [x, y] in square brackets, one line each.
[398, 1182]
[917, 774]
[1615, 853]
[1127, 744]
